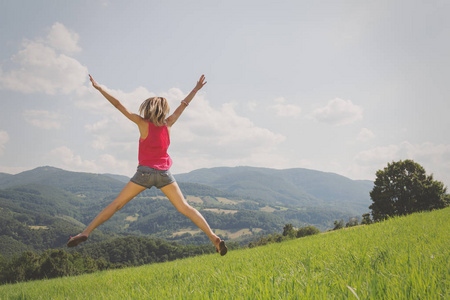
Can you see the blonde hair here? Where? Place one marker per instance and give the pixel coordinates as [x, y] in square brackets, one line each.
[155, 109]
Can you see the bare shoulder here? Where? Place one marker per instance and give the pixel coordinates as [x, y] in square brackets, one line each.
[140, 121]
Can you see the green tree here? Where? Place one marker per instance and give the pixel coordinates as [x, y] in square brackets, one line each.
[366, 220]
[352, 222]
[338, 224]
[22, 268]
[403, 188]
[288, 230]
[307, 230]
[3, 264]
[56, 263]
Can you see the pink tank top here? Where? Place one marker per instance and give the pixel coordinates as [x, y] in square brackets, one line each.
[153, 149]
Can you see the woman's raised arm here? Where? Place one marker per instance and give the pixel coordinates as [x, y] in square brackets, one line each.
[177, 113]
[133, 117]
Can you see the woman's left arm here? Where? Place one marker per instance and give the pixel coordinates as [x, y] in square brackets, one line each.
[177, 113]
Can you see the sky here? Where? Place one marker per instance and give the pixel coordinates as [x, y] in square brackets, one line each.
[335, 86]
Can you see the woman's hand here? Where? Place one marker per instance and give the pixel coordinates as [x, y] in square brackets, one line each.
[200, 83]
[94, 83]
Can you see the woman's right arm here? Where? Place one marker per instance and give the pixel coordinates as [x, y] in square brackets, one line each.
[177, 113]
[133, 117]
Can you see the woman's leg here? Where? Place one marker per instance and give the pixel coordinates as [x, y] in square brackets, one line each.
[130, 191]
[173, 192]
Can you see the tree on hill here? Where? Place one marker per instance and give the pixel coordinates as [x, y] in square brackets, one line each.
[366, 220]
[307, 230]
[288, 230]
[338, 224]
[403, 188]
[352, 222]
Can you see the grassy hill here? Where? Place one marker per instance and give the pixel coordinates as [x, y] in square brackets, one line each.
[402, 258]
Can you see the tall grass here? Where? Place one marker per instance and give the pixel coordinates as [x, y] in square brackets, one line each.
[402, 258]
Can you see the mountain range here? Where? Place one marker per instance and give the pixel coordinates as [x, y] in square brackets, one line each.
[40, 208]
[294, 187]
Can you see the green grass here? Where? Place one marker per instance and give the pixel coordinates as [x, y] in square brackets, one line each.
[403, 258]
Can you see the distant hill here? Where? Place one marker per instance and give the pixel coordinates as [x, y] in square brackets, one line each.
[4, 176]
[121, 178]
[298, 187]
[79, 183]
[294, 187]
[38, 217]
[40, 208]
[37, 198]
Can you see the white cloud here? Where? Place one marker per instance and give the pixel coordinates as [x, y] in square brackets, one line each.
[379, 155]
[223, 129]
[283, 109]
[434, 158]
[365, 135]
[63, 39]
[208, 137]
[98, 131]
[92, 101]
[115, 133]
[66, 159]
[42, 65]
[112, 164]
[44, 119]
[4, 138]
[338, 112]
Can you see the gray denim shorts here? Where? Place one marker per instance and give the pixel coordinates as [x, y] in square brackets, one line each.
[148, 177]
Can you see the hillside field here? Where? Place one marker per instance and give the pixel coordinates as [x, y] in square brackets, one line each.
[402, 258]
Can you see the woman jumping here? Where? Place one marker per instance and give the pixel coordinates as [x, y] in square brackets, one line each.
[154, 163]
